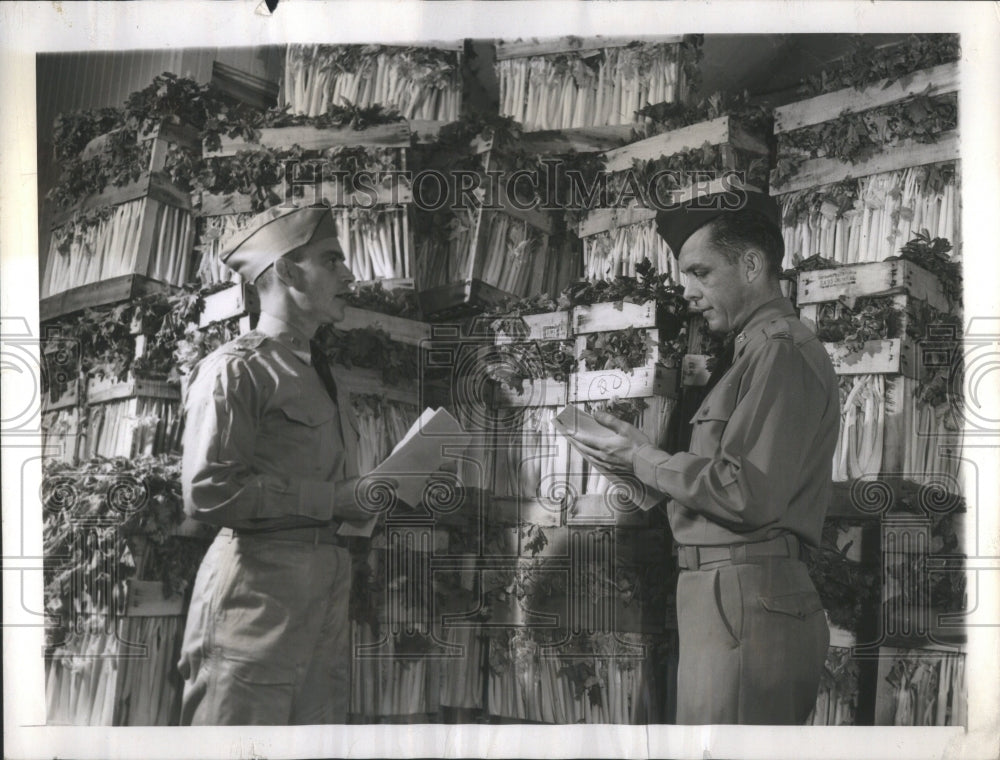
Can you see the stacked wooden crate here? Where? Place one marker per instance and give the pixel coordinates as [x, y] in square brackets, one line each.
[123, 237]
[865, 211]
[501, 244]
[896, 439]
[373, 223]
[616, 239]
[424, 84]
[579, 581]
[573, 83]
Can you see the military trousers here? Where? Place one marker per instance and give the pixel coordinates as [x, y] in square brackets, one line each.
[753, 642]
[267, 639]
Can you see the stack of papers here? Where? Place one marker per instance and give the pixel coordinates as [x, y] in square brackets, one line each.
[432, 441]
[572, 420]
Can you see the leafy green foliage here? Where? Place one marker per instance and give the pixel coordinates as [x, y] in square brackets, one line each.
[932, 255]
[618, 349]
[866, 64]
[396, 303]
[666, 117]
[871, 319]
[370, 348]
[96, 515]
[856, 137]
[848, 590]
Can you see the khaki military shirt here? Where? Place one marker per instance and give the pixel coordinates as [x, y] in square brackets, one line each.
[263, 445]
[760, 460]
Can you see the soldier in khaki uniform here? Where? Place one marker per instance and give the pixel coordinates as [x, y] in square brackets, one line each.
[754, 486]
[267, 632]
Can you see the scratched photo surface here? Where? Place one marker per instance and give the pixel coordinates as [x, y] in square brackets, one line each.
[653, 498]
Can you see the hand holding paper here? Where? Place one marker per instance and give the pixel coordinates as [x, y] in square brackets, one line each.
[428, 446]
[607, 443]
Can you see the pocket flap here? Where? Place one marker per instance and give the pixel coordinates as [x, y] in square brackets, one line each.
[714, 410]
[309, 415]
[799, 604]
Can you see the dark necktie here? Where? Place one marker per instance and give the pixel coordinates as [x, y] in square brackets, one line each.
[322, 367]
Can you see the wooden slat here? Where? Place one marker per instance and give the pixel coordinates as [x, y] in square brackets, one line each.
[715, 132]
[603, 317]
[330, 193]
[534, 393]
[878, 357]
[396, 135]
[576, 139]
[533, 46]
[805, 113]
[534, 218]
[235, 301]
[470, 295]
[817, 172]
[369, 381]
[426, 131]
[153, 185]
[114, 290]
[601, 220]
[145, 599]
[101, 390]
[876, 278]
[554, 325]
[409, 331]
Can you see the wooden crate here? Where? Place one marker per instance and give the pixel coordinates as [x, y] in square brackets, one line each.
[100, 390]
[536, 392]
[146, 599]
[400, 329]
[605, 317]
[68, 399]
[651, 379]
[395, 135]
[239, 300]
[553, 325]
[457, 299]
[903, 155]
[938, 80]
[878, 278]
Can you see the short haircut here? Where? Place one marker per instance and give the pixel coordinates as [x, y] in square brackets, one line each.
[733, 234]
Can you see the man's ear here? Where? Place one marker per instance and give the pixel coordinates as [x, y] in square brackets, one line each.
[286, 271]
[754, 263]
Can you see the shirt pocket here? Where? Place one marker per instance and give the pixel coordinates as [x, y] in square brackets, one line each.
[301, 433]
[710, 421]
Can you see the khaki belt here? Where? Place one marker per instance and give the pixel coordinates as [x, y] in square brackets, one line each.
[321, 535]
[697, 557]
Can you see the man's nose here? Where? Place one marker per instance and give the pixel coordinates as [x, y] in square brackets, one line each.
[691, 292]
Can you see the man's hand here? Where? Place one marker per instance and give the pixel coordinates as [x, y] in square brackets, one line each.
[357, 499]
[615, 451]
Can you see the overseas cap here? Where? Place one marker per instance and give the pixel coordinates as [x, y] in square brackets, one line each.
[680, 222]
[273, 233]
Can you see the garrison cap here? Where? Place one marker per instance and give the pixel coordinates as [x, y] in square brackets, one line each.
[273, 233]
[678, 223]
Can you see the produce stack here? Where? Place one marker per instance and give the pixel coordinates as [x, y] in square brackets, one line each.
[867, 177]
[331, 159]
[569, 83]
[582, 589]
[118, 561]
[686, 153]
[120, 218]
[499, 238]
[423, 83]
